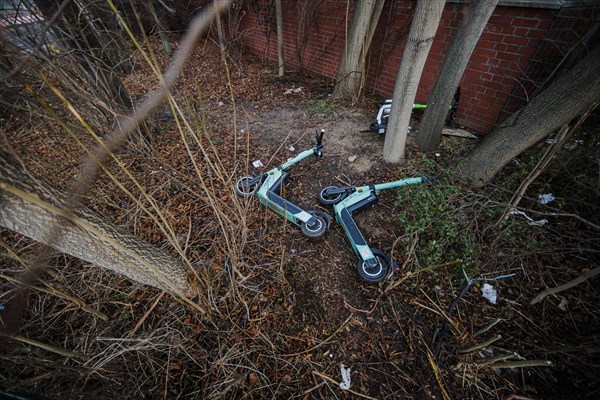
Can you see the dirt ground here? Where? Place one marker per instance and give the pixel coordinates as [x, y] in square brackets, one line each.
[300, 311]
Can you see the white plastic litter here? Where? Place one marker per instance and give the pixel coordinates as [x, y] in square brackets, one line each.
[489, 293]
[550, 141]
[352, 158]
[574, 144]
[530, 220]
[257, 164]
[220, 103]
[345, 383]
[546, 198]
[293, 90]
[291, 148]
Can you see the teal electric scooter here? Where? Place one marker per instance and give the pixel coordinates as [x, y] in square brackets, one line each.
[373, 265]
[267, 186]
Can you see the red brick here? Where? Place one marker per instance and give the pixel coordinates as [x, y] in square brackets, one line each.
[500, 20]
[516, 40]
[507, 30]
[526, 50]
[524, 32]
[512, 48]
[473, 80]
[535, 33]
[481, 52]
[485, 44]
[525, 22]
[478, 59]
[494, 37]
[507, 56]
[479, 67]
[472, 73]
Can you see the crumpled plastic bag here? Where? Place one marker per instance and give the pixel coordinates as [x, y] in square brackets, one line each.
[489, 293]
[345, 383]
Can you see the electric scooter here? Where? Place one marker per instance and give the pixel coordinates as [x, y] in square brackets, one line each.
[380, 125]
[267, 187]
[373, 265]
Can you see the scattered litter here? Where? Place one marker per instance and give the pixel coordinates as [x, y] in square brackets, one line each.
[291, 148]
[546, 198]
[1, 308]
[220, 103]
[550, 141]
[458, 133]
[470, 282]
[563, 304]
[352, 158]
[489, 293]
[438, 154]
[257, 164]
[345, 383]
[574, 144]
[516, 161]
[293, 90]
[530, 220]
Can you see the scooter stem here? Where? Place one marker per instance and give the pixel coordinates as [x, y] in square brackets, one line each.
[298, 158]
[400, 183]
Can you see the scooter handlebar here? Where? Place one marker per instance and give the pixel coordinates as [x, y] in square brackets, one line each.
[318, 149]
[320, 137]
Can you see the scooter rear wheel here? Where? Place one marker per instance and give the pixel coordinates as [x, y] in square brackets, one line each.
[377, 274]
[316, 229]
[246, 186]
[330, 199]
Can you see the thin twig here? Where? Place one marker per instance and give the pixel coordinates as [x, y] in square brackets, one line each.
[580, 279]
[522, 364]
[46, 346]
[479, 345]
[338, 330]
[487, 327]
[141, 321]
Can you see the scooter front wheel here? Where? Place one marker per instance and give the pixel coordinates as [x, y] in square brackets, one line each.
[329, 199]
[377, 273]
[314, 228]
[246, 186]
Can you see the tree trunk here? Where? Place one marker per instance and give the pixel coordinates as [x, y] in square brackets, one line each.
[566, 98]
[422, 31]
[430, 130]
[220, 37]
[34, 209]
[350, 76]
[279, 20]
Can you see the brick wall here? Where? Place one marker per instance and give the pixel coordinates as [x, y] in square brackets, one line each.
[567, 28]
[314, 38]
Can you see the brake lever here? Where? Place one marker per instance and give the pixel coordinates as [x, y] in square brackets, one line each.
[320, 137]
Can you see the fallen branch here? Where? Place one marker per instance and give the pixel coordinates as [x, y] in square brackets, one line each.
[479, 345]
[46, 346]
[580, 279]
[522, 364]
